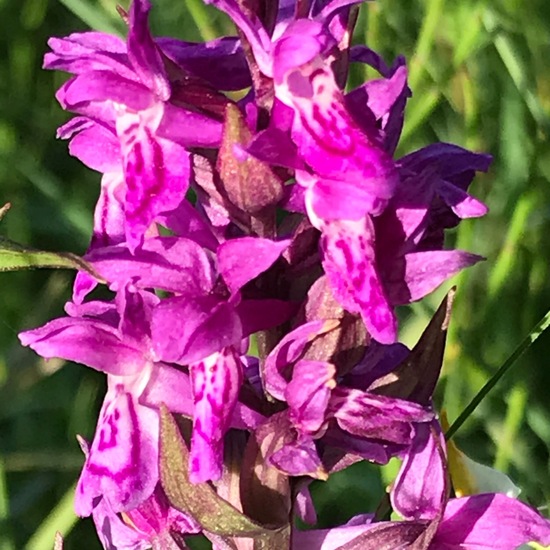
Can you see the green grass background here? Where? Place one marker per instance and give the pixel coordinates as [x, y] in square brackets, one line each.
[480, 74]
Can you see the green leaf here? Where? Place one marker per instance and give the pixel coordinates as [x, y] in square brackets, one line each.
[6, 535]
[14, 257]
[199, 500]
[202, 18]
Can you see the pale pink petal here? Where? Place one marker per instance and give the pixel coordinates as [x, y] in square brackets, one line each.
[216, 382]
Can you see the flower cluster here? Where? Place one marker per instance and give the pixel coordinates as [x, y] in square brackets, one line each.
[257, 233]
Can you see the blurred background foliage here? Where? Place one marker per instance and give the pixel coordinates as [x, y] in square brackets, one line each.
[480, 75]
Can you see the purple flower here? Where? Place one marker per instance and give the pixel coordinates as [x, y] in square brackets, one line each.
[481, 522]
[335, 156]
[143, 117]
[302, 229]
[203, 325]
[321, 408]
[122, 461]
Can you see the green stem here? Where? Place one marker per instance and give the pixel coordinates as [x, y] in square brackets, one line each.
[530, 339]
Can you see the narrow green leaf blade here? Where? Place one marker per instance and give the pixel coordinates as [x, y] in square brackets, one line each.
[61, 519]
[14, 257]
[523, 346]
[94, 16]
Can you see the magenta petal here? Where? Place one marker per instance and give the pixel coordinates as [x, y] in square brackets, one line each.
[108, 227]
[186, 221]
[252, 29]
[186, 329]
[275, 147]
[143, 53]
[356, 446]
[155, 518]
[287, 351]
[304, 506]
[216, 383]
[381, 94]
[83, 285]
[324, 198]
[169, 263]
[332, 539]
[95, 145]
[85, 42]
[189, 128]
[122, 464]
[308, 394]
[423, 272]
[490, 522]
[109, 211]
[367, 415]
[171, 387]
[302, 41]
[299, 459]
[462, 204]
[88, 51]
[234, 259]
[156, 171]
[419, 489]
[104, 86]
[349, 262]
[92, 343]
[134, 308]
[113, 532]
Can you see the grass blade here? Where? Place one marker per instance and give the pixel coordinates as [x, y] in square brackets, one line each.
[524, 345]
[61, 519]
[94, 16]
[425, 41]
[6, 541]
